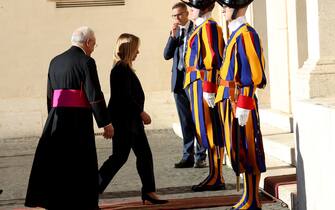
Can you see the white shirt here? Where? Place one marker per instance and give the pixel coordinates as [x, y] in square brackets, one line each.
[202, 19]
[186, 26]
[236, 23]
[183, 48]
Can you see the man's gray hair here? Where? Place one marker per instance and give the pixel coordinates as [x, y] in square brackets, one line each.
[81, 35]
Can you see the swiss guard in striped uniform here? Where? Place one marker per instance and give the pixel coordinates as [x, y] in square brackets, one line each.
[241, 73]
[203, 60]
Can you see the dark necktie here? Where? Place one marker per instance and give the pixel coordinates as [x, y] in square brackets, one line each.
[181, 37]
[181, 49]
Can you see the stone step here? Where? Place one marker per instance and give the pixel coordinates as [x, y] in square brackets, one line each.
[279, 143]
[285, 194]
[276, 118]
[277, 167]
[281, 146]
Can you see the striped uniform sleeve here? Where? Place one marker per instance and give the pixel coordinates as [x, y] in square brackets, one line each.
[250, 60]
[213, 45]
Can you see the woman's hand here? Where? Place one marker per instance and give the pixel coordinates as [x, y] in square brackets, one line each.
[145, 118]
[108, 131]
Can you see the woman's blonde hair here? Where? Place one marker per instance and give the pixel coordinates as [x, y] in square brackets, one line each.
[126, 48]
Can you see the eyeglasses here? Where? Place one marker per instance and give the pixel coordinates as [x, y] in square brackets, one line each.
[178, 15]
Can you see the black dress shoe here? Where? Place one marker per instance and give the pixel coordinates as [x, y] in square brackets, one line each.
[200, 164]
[146, 197]
[184, 164]
[201, 188]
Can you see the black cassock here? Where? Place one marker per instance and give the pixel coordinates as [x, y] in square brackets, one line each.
[65, 167]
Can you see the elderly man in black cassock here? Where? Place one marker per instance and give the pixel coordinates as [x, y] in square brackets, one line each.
[65, 167]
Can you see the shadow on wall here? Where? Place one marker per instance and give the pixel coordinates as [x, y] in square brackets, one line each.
[301, 187]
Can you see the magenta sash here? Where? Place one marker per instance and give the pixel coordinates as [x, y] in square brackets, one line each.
[69, 98]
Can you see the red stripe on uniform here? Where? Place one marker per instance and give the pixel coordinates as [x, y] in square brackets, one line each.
[209, 36]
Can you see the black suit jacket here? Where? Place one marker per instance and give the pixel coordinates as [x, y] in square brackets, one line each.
[172, 51]
[126, 99]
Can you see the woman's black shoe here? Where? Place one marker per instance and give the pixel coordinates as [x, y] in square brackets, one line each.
[146, 197]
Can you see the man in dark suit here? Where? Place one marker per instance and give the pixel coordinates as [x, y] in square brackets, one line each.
[175, 48]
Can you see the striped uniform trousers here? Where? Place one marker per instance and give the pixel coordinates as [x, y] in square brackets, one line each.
[251, 155]
[203, 59]
[206, 132]
[241, 73]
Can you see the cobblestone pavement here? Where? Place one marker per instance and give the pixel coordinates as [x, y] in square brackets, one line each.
[16, 157]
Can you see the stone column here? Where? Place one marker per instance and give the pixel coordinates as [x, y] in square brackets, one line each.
[315, 110]
[278, 54]
[257, 13]
[316, 77]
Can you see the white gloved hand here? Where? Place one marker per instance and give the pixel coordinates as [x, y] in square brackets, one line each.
[209, 98]
[242, 115]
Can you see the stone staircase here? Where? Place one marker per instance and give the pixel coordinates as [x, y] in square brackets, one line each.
[279, 146]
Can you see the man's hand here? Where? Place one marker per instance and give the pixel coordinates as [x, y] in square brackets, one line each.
[145, 118]
[209, 98]
[108, 131]
[242, 115]
[174, 30]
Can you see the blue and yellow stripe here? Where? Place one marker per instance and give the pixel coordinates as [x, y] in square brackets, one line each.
[203, 60]
[243, 65]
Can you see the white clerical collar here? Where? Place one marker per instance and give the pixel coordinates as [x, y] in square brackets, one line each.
[202, 19]
[236, 23]
[80, 48]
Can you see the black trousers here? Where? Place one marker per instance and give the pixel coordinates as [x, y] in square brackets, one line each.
[123, 141]
[188, 128]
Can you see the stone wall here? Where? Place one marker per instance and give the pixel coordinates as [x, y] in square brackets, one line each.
[34, 31]
[315, 132]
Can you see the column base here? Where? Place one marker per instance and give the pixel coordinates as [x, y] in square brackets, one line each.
[316, 79]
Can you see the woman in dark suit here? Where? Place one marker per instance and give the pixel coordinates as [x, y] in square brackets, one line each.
[128, 116]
